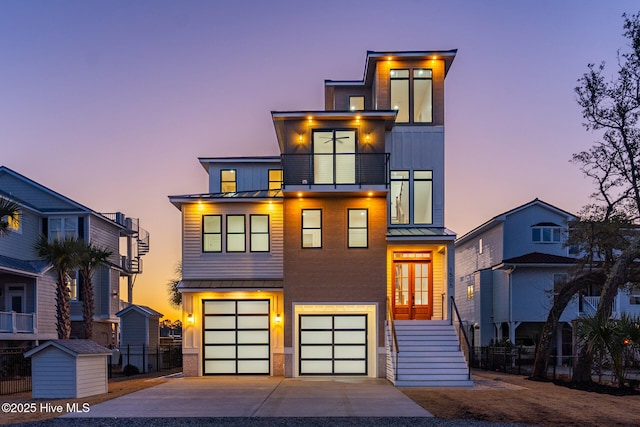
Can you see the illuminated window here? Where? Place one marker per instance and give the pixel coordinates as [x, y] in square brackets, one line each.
[356, 103]
[470, 291]
[71, 281]
[422, 197]
[259, 233]
[334, 157]
[311, 228]
[275, 179]
[400, 94]
[212, 233]
[412, 95]
[422, 96]
[358, 227]
[235, 233]
[399, 198]
[13, 223]
[228, 181]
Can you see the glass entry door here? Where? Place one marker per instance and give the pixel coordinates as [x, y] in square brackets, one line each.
[413, 289]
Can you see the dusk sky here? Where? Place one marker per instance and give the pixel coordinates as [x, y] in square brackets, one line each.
[111, 103]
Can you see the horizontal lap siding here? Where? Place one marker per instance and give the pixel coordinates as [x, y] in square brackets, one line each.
[92, 375]
[19, 245]
[53, 373]
[46, 302]
[199, 265]
[133, 329]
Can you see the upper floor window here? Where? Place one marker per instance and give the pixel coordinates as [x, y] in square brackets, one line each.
[71, 281]
[13, 222]
[311, 228]
[423, 197]
[358, 228]
[212, 233]
[412, 95]
[399, 198]
[236, 233]
[228, 182]
[470, 291]
[259, 233]
[334, 156]
[356, 103]
[61, 228]
[634, 295]
[275, 179]
[545, 233]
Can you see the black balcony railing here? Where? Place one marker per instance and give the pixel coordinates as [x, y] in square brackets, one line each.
[335, 169]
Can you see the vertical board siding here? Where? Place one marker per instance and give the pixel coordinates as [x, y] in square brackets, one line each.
[249, 176]
[261, 265]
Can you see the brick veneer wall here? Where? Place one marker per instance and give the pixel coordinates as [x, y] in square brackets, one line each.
[335, 273]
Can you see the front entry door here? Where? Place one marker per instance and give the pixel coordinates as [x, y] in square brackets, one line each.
[413, 290]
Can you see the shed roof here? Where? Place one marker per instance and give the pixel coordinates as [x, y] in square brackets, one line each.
[75, 348]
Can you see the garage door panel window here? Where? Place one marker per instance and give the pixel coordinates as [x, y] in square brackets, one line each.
[332, 344]
[236, 337]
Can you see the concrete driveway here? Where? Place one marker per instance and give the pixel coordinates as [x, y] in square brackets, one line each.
[256, 396]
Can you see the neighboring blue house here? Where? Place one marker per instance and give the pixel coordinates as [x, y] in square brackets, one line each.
[505, 274]
[27, 284]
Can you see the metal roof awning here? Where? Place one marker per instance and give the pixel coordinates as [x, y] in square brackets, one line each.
[229, 285]
[420, 233]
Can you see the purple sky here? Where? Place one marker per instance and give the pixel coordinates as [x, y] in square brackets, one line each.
[111, 102]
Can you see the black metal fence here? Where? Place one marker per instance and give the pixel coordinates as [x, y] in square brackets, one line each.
[15, 371]
[511, 360]
[131, 359]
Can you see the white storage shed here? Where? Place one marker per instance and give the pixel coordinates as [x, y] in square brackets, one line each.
[68, 369]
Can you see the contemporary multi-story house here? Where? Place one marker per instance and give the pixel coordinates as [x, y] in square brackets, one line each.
[28, 285]
[299, 264]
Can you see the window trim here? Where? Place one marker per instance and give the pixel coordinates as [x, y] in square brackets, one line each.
[553, 229]
[335, 154]
[252, 233]
[302, 228]
[14, 222]
[408, 189]
[235, 180]
[63, 229]
[350, 227]
[228, 233]
[209, 233]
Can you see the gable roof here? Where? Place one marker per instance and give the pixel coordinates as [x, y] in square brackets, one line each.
[503, 216]
[74, 348]
[74, 206]
[142, 309]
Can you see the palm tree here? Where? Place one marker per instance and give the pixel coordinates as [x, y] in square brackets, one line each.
[62, 255]
[603, 339]
[8, 210]
[175, 297]
[90, 258]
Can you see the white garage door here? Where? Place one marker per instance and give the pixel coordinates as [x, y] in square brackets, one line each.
[236, 337]
[333, 344]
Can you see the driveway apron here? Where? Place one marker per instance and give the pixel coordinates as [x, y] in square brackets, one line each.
[261, 397]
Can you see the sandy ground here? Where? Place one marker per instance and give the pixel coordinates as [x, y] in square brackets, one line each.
[514, 399]
[495, 398]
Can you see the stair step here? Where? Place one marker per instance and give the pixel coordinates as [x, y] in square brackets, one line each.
[422, 322]
[453, 358]
[445, 372]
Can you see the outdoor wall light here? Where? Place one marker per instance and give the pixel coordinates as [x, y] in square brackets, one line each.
[300, 138]
[367, 137]
[278, 318]
[190, 318]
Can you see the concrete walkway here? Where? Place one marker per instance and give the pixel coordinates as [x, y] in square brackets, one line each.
[261, 397]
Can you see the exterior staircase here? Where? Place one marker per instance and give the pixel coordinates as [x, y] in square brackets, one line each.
[428, 355]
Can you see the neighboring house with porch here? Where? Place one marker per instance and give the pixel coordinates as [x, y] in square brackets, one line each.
[299, 264]
[28, 285]
[506, 269]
